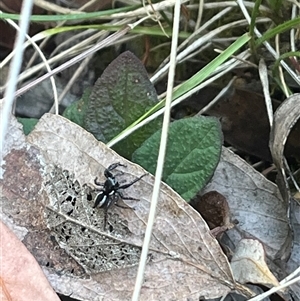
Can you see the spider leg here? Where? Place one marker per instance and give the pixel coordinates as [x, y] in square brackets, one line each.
[130, 198]
[131, 183]
[89, 186]
[110, 201]
[105, 219]
[119, 174]
[124, 207]
[125, 197]
[115, 165]
[108, 170]
[120, 194]
[98, 183]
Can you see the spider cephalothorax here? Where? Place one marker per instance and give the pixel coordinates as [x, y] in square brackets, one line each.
[110, 192]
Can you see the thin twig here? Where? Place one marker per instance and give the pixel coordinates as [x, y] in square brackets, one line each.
[161, 156]
[14, 69]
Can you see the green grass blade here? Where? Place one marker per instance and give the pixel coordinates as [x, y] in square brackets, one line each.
[278, 29]
[201, 75]
[70, 17]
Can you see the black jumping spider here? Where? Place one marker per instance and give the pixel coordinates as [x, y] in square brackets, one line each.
[110, 193]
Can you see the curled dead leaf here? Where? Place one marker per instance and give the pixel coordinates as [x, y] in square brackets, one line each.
[248, 264]
[285, 119]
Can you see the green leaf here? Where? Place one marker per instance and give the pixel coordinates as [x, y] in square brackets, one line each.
[28, 124]
[76, 111]
[193, 152]
[196, 79]
[120, 96]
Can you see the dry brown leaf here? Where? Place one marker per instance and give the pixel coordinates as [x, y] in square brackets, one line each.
[21, 278]
[255, 203]
[294, 260]
[248, 264]
[286, 123]
[185, 260]
[285, 119]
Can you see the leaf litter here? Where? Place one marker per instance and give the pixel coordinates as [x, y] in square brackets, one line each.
[255, 203]
[185, 260]
[286, 123]
[249, 266]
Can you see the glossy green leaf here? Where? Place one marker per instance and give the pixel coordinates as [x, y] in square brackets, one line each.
[120, 96]
[193, 152]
